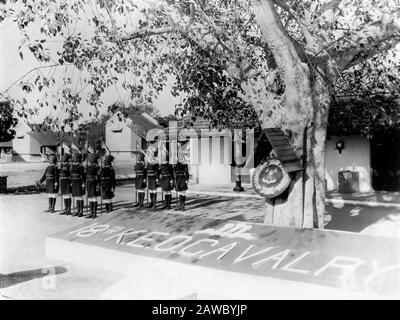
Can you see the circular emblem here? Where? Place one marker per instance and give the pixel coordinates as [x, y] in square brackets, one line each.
[270, 179]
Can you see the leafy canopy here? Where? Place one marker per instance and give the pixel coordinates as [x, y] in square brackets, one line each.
[213, 51]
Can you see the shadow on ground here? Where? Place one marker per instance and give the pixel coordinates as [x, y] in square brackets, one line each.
[355, 218]
[12, 279]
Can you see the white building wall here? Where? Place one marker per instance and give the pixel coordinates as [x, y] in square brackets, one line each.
[34, 146]
[214, 159]
[119, 139]
[354, 157]
[23, 143]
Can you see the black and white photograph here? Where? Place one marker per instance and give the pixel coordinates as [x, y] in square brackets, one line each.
[199, 150]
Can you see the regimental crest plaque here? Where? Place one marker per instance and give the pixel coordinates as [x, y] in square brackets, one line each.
[270, 179]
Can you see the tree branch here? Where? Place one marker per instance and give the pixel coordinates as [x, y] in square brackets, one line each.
[377, 37]
[149, 32]
[294, 72]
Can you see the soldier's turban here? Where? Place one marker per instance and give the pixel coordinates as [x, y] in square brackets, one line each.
[66, 157]
[78, 157]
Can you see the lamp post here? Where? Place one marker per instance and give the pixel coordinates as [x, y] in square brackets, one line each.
[238, 150]
[340, 146]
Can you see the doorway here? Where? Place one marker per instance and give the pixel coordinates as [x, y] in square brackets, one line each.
[385, 161]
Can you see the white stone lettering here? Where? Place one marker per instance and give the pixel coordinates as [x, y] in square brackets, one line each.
[278, 257]
[185, 239]
[289, 266]
[114, 230]
[184, 251]
[146, 238]
[92, 231]
[87, 227]
[243, 256]
[224, 250]
[346, 266]
[122, 234]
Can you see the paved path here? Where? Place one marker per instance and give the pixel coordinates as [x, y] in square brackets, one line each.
[24, 226]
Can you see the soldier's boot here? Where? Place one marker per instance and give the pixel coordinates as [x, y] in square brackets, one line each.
[178, 204]
[150, 204]
[64, 212]
[183, 200]
[82, 208]
[169, 201]
[165, 204]
[154, 201]
[50, 204]
[79, 204]
[53, 205]
[141, 199]
[94, 216]
[89, 215]
[138, 201]
[69, 202]
[74, 214]
[137, 204]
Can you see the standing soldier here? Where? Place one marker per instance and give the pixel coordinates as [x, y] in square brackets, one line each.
[92, 185]
[51, 176]
[152, 180]
[140, 180]
[65, 184]
[181, 174]
[78, 179]
[107, 177]
[166, 180]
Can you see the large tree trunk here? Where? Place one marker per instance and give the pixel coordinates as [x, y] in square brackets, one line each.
[302, 113]
[302, 205]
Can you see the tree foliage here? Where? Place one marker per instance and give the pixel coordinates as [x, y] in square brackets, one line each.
[7, 121]
[214, 50]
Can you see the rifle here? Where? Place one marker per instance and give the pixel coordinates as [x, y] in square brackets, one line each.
[70, 183]
[59, 175]
[87, 163]
[174, 179]
[134, 185]
[101, 173]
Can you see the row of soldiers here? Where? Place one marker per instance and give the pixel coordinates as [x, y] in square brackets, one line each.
[167, 176]
[71, 180]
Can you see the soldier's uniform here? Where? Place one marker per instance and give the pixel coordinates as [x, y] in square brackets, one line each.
[152, 170]
[181, 174]
[93, 185]
[65, 184]
[107, 177]
[78, 181]
[51, 175]
[140, 180]
[166, 179]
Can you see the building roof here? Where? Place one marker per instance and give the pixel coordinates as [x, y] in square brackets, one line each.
[43, 134]
[141, 124]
